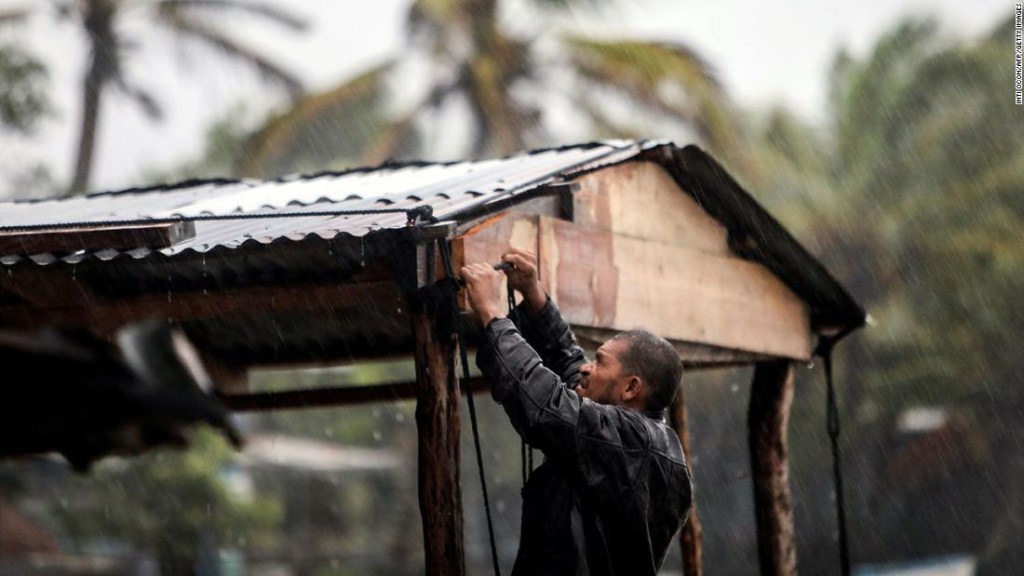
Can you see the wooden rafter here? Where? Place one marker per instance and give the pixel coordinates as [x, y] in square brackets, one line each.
[67, 240]
[102, 314]
[334, 396]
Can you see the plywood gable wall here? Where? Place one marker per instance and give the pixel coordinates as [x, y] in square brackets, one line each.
[641, 253]
[641, 200]
[675, 273]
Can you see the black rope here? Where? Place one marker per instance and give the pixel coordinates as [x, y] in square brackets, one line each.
[202, 217]
[446, 258]
[832, 422]
[525, 452]
[522, 457]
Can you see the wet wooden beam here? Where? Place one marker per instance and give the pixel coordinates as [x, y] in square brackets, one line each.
[695, 356]
[42, 288]
[437, 421]
[331, 396]
[771, 396]
[118, 237]
[228, 378]
[105, 315]
[690, 535]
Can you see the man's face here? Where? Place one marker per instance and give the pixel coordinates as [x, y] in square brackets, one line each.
[602, 380]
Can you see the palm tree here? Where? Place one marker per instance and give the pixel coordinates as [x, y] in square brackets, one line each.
[108, 46]
[462, 63]
[919, 178]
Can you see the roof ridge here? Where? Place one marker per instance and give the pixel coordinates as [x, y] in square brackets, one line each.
[385, 165]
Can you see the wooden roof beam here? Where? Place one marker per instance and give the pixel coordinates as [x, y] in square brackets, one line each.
[68, 240]
[332, 396]
[102, 315]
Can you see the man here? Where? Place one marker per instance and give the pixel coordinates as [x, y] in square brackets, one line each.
[614, 489]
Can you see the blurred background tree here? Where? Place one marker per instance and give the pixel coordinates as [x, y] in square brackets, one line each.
[912, 197]
[24, 100]
[23, 97]
[172, 505]
[109, 45]
[474, 82]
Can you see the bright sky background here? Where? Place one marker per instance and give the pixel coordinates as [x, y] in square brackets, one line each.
[768, 52]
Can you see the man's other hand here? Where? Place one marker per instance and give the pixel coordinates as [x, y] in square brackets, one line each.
[483, 287]
[524, 276]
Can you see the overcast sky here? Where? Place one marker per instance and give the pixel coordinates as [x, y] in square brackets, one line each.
[768, 52]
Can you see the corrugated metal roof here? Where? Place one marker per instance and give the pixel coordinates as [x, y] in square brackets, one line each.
[331, 199]
[313, 210]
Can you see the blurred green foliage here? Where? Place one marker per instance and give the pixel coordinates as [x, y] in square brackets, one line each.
[24, 99]
[169, 503]
[912, 197]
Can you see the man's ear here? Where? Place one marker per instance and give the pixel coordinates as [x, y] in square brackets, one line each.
[634, 387]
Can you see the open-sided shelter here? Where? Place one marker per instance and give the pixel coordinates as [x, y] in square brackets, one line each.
[341, 267]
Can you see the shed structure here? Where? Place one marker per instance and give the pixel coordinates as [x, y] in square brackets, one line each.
[342, 267]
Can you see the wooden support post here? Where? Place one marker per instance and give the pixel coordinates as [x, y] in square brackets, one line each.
[690, 536]
[437, 421]
[771, 396]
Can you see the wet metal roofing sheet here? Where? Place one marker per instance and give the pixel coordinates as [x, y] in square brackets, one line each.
[228, 214]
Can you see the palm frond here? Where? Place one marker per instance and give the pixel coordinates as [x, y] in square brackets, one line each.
[389, 140]
[272, 149]
[869, 90]
[434, 15]
[231, 48]
[642, 65]
[23, 95]
[500, 119]
[566, 4]
[1002, 30]
[605, 127]
[670, 78]
[144, 99]
[262, 9]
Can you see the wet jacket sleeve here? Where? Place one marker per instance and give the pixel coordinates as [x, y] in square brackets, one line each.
[547, 332]
[542, 410]
[529, 379]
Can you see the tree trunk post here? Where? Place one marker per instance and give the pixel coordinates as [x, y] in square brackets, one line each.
[690, 535]
[771, 396]
[99, 22]
[437, 422]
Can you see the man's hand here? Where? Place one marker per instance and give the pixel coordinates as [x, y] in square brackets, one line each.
[483, 287]
[524, 276]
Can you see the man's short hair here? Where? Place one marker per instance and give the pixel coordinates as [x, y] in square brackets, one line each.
[655, 361]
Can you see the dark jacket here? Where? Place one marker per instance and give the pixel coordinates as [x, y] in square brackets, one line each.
[614, 488]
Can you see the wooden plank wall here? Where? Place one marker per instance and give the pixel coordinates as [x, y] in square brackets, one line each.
[642, 254]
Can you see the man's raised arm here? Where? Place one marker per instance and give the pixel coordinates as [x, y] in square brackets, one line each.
[540, 321]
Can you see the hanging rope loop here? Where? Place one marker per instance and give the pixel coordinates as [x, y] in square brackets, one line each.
[832, 412]
[832, 424]
[525, 452]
